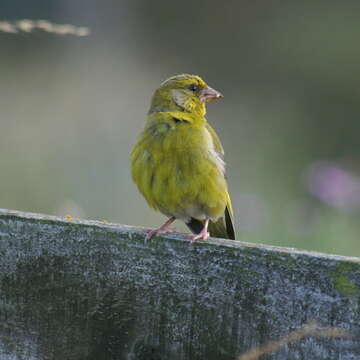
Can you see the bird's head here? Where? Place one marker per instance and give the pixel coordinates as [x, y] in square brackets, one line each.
[188, 93]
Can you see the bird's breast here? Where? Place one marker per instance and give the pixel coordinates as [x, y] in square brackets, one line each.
[179, 172]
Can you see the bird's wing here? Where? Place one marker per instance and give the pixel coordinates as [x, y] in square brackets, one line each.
[217, 143]
[224, 226]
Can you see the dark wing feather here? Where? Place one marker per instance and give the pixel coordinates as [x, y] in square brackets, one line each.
[229, 224]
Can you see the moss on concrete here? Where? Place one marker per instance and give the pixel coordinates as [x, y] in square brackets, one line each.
[341, 276]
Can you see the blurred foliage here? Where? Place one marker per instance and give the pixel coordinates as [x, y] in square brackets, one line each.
[71, 109]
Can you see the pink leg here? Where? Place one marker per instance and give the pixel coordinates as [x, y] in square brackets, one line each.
[161, 230]
[203, 235]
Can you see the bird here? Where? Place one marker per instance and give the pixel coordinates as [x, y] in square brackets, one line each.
[178, 163]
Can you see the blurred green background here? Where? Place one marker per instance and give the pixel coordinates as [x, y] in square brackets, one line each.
[72, 107]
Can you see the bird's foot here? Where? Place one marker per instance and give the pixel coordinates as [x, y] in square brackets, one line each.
[203, 235]
[161, 230]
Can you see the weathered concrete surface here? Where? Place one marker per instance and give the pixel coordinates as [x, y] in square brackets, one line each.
[87, 290]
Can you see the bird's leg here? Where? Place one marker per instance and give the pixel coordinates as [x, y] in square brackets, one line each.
[203, 234]
[162, 229]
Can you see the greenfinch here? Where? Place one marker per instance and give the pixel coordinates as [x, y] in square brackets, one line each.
[177, 162]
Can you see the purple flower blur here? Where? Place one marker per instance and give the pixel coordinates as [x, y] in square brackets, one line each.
[334, 185]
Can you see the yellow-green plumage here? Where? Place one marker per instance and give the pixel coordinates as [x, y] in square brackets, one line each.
[177, 162]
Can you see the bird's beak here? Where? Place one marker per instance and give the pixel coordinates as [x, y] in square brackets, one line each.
[209, 94]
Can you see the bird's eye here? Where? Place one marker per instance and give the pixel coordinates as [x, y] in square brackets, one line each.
[193, 87]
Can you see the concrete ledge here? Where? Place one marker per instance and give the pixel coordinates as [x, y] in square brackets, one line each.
[89, 290]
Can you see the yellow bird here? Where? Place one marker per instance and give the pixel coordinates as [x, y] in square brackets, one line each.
[177, 162]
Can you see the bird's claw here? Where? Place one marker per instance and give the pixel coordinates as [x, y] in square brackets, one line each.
[153, 232]
[203, 235]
